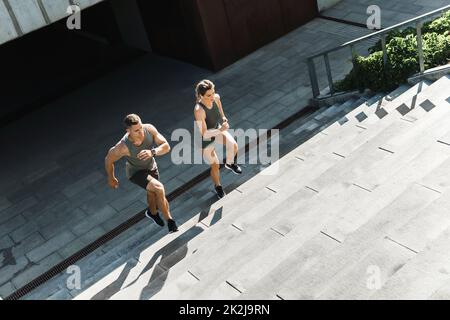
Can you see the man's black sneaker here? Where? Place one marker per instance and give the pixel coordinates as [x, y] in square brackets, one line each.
[233, 167]
[172, 226]
[156, 218]
[220, 192]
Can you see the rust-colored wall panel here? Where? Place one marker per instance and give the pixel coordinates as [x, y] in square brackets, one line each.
[253, 23]
[298, 12]
[215, 33]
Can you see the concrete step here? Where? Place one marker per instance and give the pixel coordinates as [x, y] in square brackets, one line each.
[220, 261]
[343, 141]
[259, 283]
[360, 210]
[197, 271]
[439, 169]
[345, 129]
[361, 280]
[442, 293]
[410, 239]
[407, 101]
[304, 223]
[316, 141]
[259, 202]
[406, 145]
[223, 288]
[219, 238]
[390, 121]
[129, 244]
[426, 226]
[423, 276]
[310, 283]
[371, 106]
[355, 115]
[308, 125]
[230, 257]
[307, 219]
[371, 150]
[333, 110]
[375, 106]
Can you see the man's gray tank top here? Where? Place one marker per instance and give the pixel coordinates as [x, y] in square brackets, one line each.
[133, 164]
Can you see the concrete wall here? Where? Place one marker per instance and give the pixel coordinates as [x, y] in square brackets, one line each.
[18, 17]
[326, 4]
[7, 29]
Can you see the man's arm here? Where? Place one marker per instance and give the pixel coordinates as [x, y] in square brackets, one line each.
[160, 140]
[114, 154]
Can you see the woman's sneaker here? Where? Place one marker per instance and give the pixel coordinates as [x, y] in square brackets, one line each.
[172, 226]
[233, 167]
[219, 191]
[156, 218]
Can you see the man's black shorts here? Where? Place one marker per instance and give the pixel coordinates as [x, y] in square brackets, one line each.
[140, 177]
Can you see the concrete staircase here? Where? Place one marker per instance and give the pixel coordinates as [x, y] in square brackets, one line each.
[358, 209]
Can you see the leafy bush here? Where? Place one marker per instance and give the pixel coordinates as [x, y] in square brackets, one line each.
[436, 49]
[440, 25]
[370, 72]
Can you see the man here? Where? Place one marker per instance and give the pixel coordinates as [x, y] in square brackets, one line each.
[141, 168]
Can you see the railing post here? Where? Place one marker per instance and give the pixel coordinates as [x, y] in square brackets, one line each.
[330, 77]
[313, 78]
[355, 66]
[383, 47]
[420, 47]
[353, 53]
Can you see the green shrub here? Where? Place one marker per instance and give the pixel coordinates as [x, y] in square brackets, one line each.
[391, 35]
[440, 25]
[370, 72]
[436, 49]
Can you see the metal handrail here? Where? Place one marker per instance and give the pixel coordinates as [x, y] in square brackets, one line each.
[382, 34]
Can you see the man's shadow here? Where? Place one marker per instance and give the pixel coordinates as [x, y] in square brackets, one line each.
[107, 292]
[170, 255]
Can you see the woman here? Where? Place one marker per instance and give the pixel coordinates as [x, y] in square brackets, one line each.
[213, 126]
